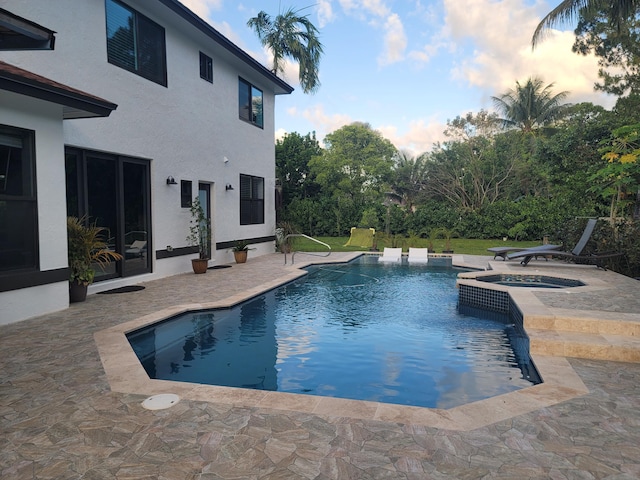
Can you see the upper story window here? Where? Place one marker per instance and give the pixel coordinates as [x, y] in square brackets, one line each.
[206, 67]
[135, 43]
[18, 202]
[251, 200]
[250, 103]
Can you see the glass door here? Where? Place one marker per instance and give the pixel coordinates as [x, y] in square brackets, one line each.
[102, 208]
[136, 218]
[204, 195]
[114, 192]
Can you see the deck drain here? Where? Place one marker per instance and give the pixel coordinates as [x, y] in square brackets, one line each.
[161, 401]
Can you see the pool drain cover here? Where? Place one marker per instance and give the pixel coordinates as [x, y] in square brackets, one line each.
[161, 401]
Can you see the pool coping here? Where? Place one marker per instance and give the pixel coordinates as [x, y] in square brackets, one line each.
[125, 374]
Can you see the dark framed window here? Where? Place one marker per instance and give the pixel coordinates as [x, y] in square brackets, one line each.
[185, 193]
[135, 43]
[251, 200]
[18, 201]
[250, 103]
[114, 192]
[206, 67]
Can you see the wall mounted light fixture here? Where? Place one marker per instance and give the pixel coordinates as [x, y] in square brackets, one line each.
[171, 180]
[228, 187]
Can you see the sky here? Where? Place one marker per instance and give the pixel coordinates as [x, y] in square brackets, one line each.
[406, 67]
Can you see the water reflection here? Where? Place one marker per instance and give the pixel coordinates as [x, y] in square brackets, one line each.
[399, 338]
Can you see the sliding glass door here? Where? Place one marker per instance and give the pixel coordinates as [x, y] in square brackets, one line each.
[113, 191]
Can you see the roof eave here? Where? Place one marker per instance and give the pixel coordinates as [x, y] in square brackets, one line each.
[76, 105]
[25, 34]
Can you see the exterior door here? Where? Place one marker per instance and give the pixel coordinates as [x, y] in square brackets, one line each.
[113, 191]
[204, 195]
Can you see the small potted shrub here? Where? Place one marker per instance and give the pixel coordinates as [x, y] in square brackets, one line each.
[200, 236]
[85, 248]
[240, 250]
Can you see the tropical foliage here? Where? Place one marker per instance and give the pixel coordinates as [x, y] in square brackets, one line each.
[483, 182]
[537, 168]
[616, 48]
[531, 105]
[619, 178]
[616, 11]
[291, 35]
[87, 248]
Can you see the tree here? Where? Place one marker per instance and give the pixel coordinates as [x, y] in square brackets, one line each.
[293, 154]
[290, 35]
[467, 172]
[620, 177]
[357, 160]
[617, 50]
[531, 105]
[409, 179]
[617, 12]
[567, 158]
[354, 170]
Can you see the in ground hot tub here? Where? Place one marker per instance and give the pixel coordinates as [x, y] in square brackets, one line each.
[526, 280]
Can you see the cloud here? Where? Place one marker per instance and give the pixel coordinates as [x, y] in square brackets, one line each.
[202, 8]
[379, 15]
[500, 35]
[280, 133]
[427, 52]
[325, 13]
[395, 41]
[322, 122]
[420, 138]
[362, 8]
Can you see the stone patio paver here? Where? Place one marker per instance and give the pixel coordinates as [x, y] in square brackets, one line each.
[60, 419]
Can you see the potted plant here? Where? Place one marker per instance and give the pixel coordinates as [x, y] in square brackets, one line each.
[200, 236]
[85, 248]
[240, 250]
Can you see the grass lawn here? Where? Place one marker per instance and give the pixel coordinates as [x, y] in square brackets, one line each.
[458, 245]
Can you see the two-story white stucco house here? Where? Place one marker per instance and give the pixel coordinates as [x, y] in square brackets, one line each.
[131, 109]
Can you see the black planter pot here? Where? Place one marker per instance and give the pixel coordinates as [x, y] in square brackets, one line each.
[77, 292]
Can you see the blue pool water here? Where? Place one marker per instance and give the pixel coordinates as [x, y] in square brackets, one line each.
[362, 331]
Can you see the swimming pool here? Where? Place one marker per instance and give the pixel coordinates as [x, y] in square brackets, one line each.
[361, 330]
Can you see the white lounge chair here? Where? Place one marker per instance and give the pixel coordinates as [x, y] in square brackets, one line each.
[136, 249]
[418, 255]
[391, 255]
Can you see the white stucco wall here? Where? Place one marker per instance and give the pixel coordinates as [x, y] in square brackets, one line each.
[186, 129]
[46, 120]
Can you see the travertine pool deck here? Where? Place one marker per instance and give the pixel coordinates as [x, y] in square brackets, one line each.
[70, 398]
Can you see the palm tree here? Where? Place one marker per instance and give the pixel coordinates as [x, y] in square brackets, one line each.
[530, 105]
[568, 10]
[409, 179]
[294, 36]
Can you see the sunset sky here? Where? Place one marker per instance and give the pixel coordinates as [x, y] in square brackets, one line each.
[407, 66]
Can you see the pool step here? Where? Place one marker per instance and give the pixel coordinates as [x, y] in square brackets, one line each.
[580, 321]
[597, 346]
[576, 333]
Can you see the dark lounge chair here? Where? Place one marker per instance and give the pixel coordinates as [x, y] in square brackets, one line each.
[575, 255]
[502, 252]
